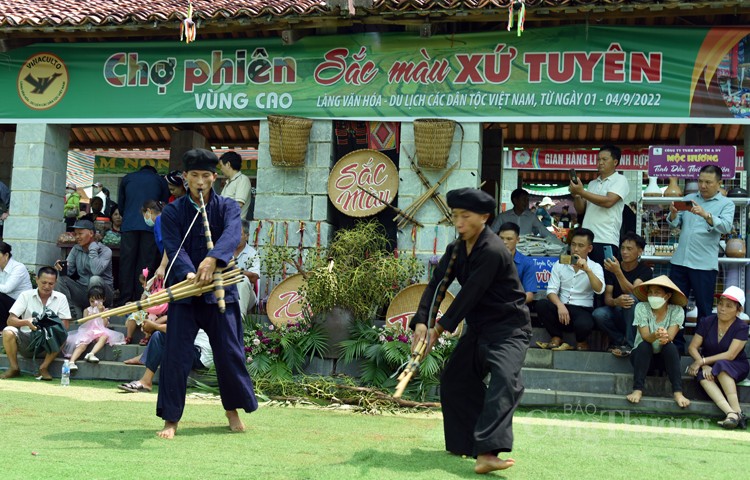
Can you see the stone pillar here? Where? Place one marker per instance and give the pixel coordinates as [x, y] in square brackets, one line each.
[37, 193]
[467, 174]
[286, 197]
[7, 141]
[181, 142]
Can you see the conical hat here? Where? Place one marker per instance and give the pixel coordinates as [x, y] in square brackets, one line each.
[678, 298]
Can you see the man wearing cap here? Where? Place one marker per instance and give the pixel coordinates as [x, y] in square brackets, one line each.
[238, 186]
[520, 214]
[184, 238]
[72, 205]
[602, 203]
[89, 264]
[477, 419]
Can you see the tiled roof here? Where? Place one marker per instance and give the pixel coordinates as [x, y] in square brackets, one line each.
[62, 13]
[16, 13]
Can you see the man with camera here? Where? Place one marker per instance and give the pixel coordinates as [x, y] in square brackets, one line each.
[17, 336]
[89, 264]
[602, 203]
[570, 294]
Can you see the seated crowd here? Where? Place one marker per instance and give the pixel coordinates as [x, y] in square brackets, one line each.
[643, 318]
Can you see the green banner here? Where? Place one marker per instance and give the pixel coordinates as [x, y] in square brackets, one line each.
[571, 73]
[104, 165]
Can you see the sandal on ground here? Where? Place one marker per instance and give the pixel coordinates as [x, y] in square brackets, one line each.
[143, 342]
[134, 387]
[128, 340]
[563, 347]
[731, 422]
[547, 345]
[622, 352]
[91, 358]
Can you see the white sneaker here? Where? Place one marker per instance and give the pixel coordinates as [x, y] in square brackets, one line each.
[72, 366]
[91, 358]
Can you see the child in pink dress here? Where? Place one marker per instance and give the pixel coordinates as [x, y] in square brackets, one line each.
[95, 329]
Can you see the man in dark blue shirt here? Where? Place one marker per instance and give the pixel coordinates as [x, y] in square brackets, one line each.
[137, 244]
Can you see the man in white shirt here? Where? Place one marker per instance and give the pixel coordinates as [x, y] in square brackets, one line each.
[570, 295]
[248, 261]
[602, 204]
[17, 335]
[238, 186]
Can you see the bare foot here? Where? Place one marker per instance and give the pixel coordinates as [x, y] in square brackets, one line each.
[488, 462]
[44, 374]
[235, 424]
[11, 372]
[170, 428]
[681, 400]
[635, 397]
[133, 361]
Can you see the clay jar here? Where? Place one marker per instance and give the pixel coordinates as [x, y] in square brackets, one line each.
[652, 190]
[673, 190]
[735, 248]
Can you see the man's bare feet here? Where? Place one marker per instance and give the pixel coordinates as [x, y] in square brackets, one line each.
[133, 361]
[170, 428]
[635, 397]
[682, 400]
[11, 372]
[44, 374]
[488, 462]
[235, 424]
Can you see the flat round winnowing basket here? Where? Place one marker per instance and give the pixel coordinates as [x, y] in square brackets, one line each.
[404, 305]
[433, 138]
[288, 137]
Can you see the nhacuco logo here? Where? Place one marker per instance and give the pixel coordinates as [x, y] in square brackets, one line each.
[42, 81]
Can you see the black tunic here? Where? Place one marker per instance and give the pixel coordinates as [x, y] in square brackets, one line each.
[478, 418]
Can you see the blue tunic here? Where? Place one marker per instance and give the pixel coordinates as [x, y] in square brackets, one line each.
[185, 317]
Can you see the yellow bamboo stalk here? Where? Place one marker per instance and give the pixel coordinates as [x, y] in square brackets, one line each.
[183, 292]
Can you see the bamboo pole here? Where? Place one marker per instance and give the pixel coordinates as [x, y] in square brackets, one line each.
[179, 291]
[411, 367]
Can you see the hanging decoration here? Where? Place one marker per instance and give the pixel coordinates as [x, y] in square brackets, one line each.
[301, 241]
[256, 235]
[434, 259]
[188, 27]
[520, 7]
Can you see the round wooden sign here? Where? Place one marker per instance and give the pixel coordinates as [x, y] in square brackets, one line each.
[285, 302]
[364, 169]
[405, 304]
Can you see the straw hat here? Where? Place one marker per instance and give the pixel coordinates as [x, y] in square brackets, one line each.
[546, 202]
[678, 298]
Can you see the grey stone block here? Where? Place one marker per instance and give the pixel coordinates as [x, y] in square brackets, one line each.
[426, 237]
[317, 181]
[319, 366]
[319, 210]
[462, 178]
[264, 159]
[409, 183]
[541, 378]
[43, 133]
[321, 131]
[352, 369]
[538, 358]
[295, 180]
[323, 155]
[283, 206]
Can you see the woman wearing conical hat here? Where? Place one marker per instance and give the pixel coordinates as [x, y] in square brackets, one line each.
[658, 318]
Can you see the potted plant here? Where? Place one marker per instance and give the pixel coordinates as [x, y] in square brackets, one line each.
[353, 279]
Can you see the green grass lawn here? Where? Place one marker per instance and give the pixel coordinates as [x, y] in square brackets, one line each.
[91, 431]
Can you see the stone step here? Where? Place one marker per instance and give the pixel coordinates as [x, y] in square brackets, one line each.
[104, 370]
[604, 406]
[584, 361]
[613, 383]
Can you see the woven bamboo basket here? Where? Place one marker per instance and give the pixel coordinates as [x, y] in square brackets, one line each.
[288, 137]
[433, 138]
